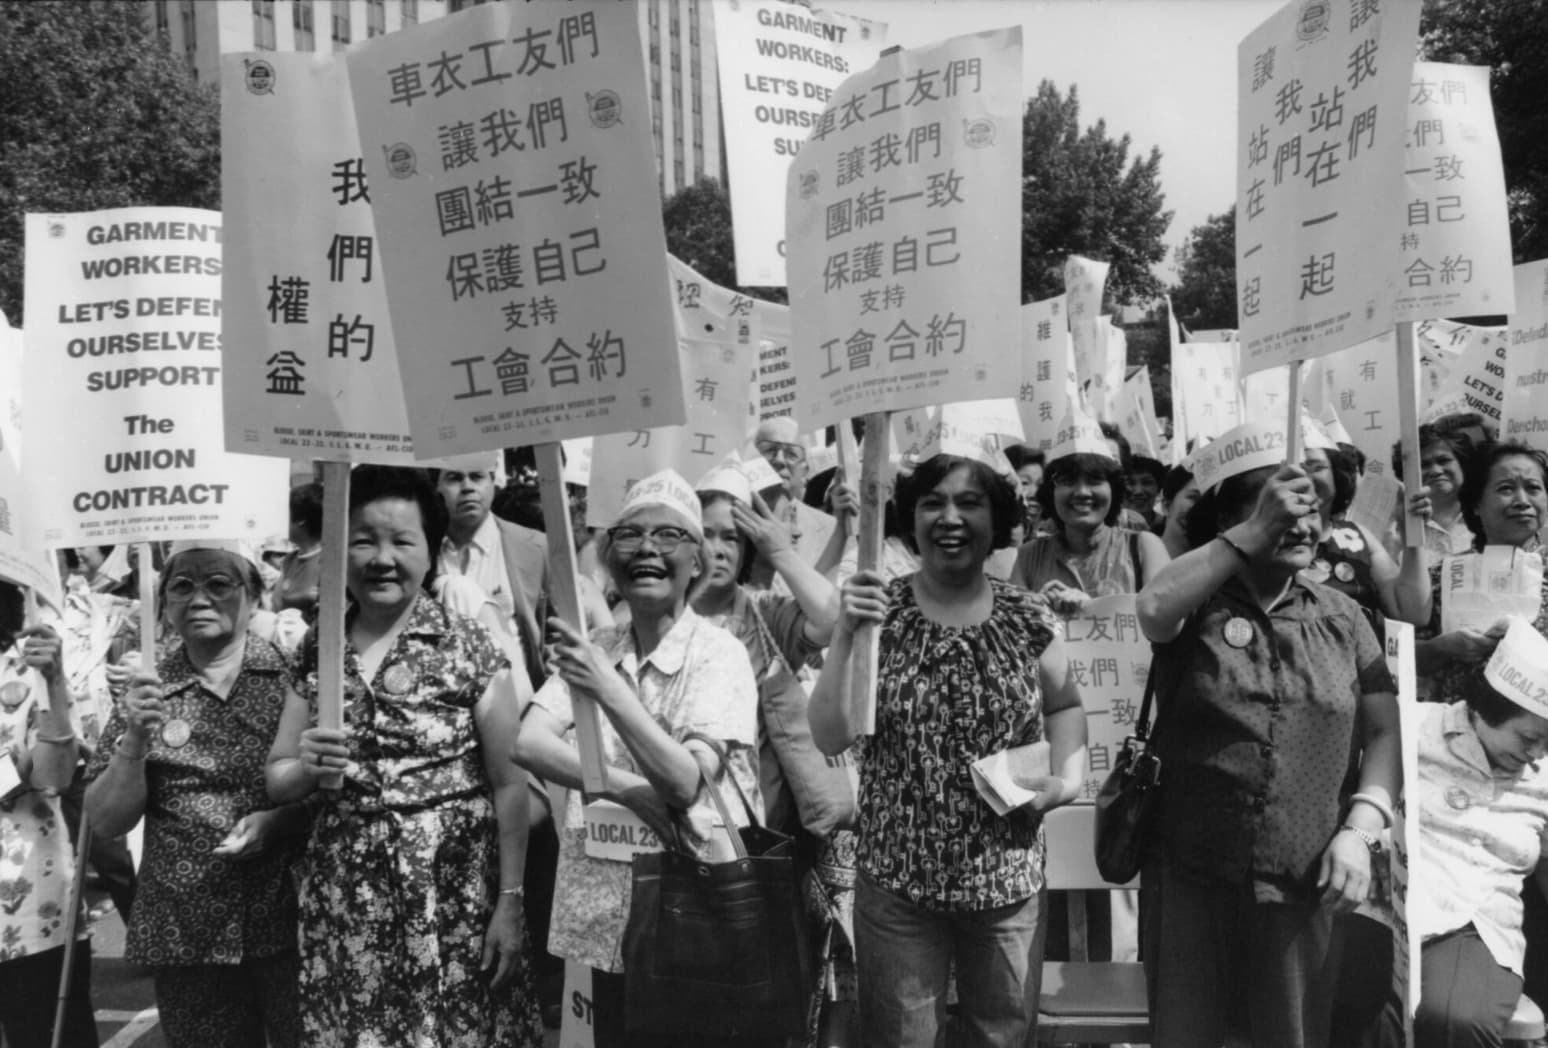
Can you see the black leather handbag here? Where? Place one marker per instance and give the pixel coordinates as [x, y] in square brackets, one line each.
[1125, 806]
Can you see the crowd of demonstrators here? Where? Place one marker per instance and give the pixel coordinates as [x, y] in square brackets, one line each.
[413, 877]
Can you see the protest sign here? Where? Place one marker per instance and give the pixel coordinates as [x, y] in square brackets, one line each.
[310, 366]
[1137, 415]
[1525, 408]
[775, 377]
[1084, 280]
[706, 311]
[1476, 381]
[1046, 378]
[22, 558]
[1322, 98]
[507, 151]
[123, 384]
[1456, 231]
[1205, 393]
[577, 1027]
[1109, 660]
[904, 290]
[1361, 384]
[1404, 856]
[780, 63]
[1107, 383]
[1479, 589]
[980, 430]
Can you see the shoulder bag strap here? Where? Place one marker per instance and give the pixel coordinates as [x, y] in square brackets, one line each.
[720, 803]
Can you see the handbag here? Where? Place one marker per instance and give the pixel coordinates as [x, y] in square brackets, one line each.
[718, 948]
[1126, 804]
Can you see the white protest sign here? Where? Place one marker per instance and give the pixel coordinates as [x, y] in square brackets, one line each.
[718, 420]
[1084, 280]
[779, 65]
[774, 378]
[1405, 825]
[1361, 385]
[979, 430]
[22, 558]
[1264, 395]
[1321, 102]
[1107, 383]
[1205, 393]
[577, 1027]
[1456, 230]
[1182, 436]
[311, 371]
[1109, 660]
[123, 384]
[1525, 409]
[522, 243]
[904, 289]
[1477, 378]
[1479, 589]
[1137, 415]
[1043, 396]
[706, 311]
[616, 834]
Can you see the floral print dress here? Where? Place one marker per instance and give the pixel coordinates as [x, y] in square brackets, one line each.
[401, 875]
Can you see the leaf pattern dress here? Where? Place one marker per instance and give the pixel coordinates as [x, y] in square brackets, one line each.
[401, 873]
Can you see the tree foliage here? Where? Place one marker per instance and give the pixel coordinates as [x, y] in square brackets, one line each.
[1204, 296]
[95, 112]
[1511, 38]
[1082, 195]
[698, 231]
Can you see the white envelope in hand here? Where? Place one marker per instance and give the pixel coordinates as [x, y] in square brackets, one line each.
[995, 776]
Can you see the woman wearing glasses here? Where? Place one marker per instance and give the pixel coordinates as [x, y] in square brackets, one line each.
[214, 917]
[664, 676]
[411, 908]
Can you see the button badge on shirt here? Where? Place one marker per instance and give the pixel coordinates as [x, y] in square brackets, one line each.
[176, 733]
[398, 679]
[1458, 798]
[1238, 632]
[1343, 571]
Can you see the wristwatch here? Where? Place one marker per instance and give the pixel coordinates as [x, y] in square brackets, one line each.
[1372, 841]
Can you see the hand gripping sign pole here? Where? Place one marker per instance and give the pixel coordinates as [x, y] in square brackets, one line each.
[564, 591]
[873, 501]
[331, 604]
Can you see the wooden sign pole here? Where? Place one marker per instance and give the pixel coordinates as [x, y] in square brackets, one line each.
[1408, 421]
[564, 593]
[873, 504]
[147, 610]
[331, 602]
[1294, 451]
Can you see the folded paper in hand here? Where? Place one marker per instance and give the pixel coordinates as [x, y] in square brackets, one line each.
[995, 776]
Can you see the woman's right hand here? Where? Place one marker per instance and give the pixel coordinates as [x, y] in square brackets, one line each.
[142, 708]
[1471, 645]
[1284, 501]
[863, 599]
[324, 756]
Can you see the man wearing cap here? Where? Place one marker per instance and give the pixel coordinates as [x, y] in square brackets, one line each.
[1483, 815]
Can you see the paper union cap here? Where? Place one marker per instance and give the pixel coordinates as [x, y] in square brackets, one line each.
[667, 489]
[1240, 450]
[235, 547]
[730, 479]
[760, 475]
[1079, 435]
[1518, 669]
[1314, 435]
[1334, 427]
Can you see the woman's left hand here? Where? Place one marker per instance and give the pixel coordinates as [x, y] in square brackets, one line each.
[43, 651]
[502, 942]
[759, 524]
[249, 838]
[1065, 600]
[1345, 877]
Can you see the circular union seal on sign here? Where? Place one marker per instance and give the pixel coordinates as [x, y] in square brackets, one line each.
[260, 76]
[401, 161]
[978, 133]
[605, 108]
[808, 184]
[56, 229]
[1314, 20]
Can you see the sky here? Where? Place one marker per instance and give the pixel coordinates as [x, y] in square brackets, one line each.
[1162, 71]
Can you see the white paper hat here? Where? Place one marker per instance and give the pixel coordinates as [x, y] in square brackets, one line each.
[760, 475]
[1518, 669]
[667, 489]
[1079, 435]
[235, 547]
[730, 478]
[1247, 447]
[1334, 426]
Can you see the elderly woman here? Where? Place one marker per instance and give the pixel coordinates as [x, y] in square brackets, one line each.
[1271, 685]
[215, 916]
[411, 918]
[38, 750]
[1505, 503]
[1445, 450]
[665, 675]
[969, 666]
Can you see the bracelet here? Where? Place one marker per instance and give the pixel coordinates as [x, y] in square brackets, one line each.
[519, 892]
[1371, 841]
[56, 740]
[1234, 548]
[1384, 809]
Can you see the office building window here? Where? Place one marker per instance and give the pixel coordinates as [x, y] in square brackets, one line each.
[301, 16]
[189, 19]
[163, 25]
[410, 12]
[677, 98]
[677, 61]
[655, 54]
[698, 106]
[341, 26]
[677, 172]
[698, 161]
[653, 13]
[376, 18]
[263, 25]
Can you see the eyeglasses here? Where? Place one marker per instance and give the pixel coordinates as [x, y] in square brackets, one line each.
[773, 449]
[665, 540]
[217, 587]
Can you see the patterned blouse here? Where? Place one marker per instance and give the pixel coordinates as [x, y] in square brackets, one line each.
[698, 679]
[36, 860]
[1112, 565]
[194, 907]
[945, 697]
[412, 735]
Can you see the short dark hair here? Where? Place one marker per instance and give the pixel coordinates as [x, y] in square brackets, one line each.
[306, 508]
[1004, 506]
[1177, 478]
[749, 553]
[1024, 455]
[1430, 434]
[371, 483]
[1228, 499]
[1146, 464]
[1492, 708]
[13, 612]
[1475, 478]
[1083, 464]
[1346, 478]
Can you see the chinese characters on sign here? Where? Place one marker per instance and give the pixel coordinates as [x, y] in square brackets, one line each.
[1456, 233]
[1047, 377]
[310, 364]
[1109, 661]
[779, 66]
[1360, 384]
[524, 256]
[124, 364]
[1322, 103]
[903, 292]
